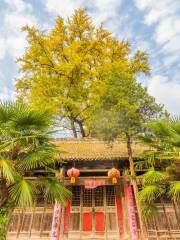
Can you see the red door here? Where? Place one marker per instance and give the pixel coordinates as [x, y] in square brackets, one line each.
[87, 221]
[99, 221]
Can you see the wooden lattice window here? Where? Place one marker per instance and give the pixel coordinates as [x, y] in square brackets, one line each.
[87, 197]
[76, 196]
[110, 196]
[99, 196]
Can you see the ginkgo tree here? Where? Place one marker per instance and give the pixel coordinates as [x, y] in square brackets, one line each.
[65, 68]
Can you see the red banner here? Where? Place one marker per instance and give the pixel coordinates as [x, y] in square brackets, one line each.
[66, 217]
[55, 231]
[87, 221]
[120, 214]
[131, 212]
[90, 184]
[100, 222]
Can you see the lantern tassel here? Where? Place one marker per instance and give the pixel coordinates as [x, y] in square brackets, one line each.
[73, 179]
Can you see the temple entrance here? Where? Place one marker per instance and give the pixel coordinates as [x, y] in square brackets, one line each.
[92, 214]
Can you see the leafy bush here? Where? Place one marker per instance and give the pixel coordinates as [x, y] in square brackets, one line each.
[4, 214]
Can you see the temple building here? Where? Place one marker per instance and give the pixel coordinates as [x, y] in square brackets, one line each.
[102, 204]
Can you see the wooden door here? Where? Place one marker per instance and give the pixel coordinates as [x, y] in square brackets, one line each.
[93, 214]
[93, 210]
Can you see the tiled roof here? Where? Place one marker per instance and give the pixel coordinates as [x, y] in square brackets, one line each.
[96, 150]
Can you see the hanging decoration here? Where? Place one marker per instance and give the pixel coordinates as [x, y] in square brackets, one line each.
[56, 223]
[114, 174]
[73, 173]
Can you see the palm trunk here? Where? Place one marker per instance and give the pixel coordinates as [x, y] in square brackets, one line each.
[135, 187]
[3, 193]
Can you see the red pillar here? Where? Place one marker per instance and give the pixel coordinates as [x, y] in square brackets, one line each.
[66, 217]
[131, 211]
[120, 214]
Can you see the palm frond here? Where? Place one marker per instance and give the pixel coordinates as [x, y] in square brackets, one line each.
[55, 191]
[22, 193]
[5, 146]
[139, 165]
[153, 177]
[19, 119]
[149, 209]
[7, 171]
[41, 156]
[175, 119]
[150, 193]
[6, 111]
[174, 191]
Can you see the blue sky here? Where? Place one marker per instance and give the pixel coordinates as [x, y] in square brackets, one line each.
[151, 25]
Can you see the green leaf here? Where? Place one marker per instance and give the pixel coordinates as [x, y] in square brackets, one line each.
[39, 157]
[149, 209]
[153, 177]
[174, 191]
[55, 191]
[7, 171]
[150, 193]
[23, 193]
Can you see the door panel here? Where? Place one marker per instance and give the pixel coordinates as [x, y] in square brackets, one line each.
[99, 221]
[87, 221]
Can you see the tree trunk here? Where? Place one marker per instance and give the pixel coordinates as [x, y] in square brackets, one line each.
[135, 187]
[81, 128]
[3, 192]
[73, 128]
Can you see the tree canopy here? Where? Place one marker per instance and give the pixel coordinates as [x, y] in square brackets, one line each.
[65, 69]
[123, 108]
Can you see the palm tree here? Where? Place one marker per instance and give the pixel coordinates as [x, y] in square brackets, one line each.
[25, 147]
[163, 163]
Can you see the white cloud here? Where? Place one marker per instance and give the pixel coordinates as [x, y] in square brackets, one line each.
[16, 45]
[19, 5]
[14, 21]
[6, 94]
[2, 80]
[102, 11]
[143, 45]
[167, 29]
[63, 8]
[15, 42]
[2, 48]
[12, 41]
[164, 16]
[166, 92]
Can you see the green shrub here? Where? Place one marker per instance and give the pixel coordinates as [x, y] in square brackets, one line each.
[4, 214]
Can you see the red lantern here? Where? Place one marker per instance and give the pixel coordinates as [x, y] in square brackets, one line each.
[114, 174]
[73, 173]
